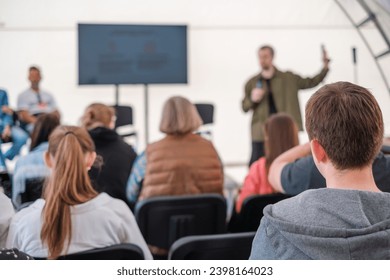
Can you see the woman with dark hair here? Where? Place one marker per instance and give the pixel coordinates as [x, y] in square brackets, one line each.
[32, 165]
[118, 156]
[281, 134]
[72, 217]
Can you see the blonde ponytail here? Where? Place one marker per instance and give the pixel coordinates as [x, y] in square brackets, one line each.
[68, 185]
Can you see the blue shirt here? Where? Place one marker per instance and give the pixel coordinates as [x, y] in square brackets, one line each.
[29, 166]
[5, 119]
[134, 184]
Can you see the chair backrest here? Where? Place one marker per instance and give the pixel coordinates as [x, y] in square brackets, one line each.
[124, 122]
[163, 220]
[124, 115]
[34, 187]
[252, 210]
[230, 246]
[206, 112]
[114, 252]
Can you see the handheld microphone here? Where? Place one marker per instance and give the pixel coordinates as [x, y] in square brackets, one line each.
[354, 57]
[39, 98]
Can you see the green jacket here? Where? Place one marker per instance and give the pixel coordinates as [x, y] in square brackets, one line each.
[285, 86]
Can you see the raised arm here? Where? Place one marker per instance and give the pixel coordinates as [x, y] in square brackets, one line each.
[275, 171]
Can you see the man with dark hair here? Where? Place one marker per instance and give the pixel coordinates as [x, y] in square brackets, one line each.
[343, 220]
[34, 101]
[273, 91]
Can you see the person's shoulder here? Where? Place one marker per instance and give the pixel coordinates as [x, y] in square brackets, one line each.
[27, 92]
[287, 73]
[253, 78]
[105, 200]
[293, 208]
[113, 207]
[45, 92]
[27, 213]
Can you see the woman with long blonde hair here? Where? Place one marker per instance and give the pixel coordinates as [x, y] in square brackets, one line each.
[72, 217]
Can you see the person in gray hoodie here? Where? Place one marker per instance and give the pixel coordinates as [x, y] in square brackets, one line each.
[350, 218]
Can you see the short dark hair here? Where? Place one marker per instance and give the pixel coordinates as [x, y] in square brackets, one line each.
[347, 122]
[43, 127]
[267, 47]
[34, 68]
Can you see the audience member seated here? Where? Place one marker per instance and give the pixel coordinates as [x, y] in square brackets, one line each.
[9, 132]
[343, 220]
[72, 217]
[118, 156]
[34, 101]
[181, 163]
[32, 165]
[294, 171]
[280, 134]
[6, 213]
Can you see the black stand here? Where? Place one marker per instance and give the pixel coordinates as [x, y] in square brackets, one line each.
[146, 109]
[354, 59]
[146, 100]
[116, 95]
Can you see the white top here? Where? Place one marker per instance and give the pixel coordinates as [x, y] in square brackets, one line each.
[6, 214]
[103, 221]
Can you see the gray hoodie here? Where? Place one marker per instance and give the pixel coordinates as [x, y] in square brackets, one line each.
[326, 224]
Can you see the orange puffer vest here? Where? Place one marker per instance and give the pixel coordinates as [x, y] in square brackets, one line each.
[179, 165]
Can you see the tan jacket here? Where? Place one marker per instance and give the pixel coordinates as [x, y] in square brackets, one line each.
[178, 165]
[285, 86]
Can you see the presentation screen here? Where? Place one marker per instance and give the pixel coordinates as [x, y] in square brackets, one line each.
[132, 54]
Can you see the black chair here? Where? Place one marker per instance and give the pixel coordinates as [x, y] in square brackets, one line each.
[163, 220]
[6, 183]
[115, 252]
[34, 187]
[206, 112]
[252, 212]
[124, 122]
[230, 246]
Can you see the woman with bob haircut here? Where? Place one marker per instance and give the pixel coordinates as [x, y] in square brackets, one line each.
[281, 134]
[118, 156]
[72, 217]
[181, 163]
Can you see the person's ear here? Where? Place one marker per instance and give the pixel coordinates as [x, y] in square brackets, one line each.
[90, 159]
[48, 160]
[318, 151]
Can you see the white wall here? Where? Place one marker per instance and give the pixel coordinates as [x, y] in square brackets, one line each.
[223, 39]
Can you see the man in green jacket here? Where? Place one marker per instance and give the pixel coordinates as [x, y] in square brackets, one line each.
[272, 91]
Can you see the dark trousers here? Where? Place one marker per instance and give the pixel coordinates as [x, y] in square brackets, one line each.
[257, 151]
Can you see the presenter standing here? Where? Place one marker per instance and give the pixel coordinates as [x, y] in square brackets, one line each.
[273, 91]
